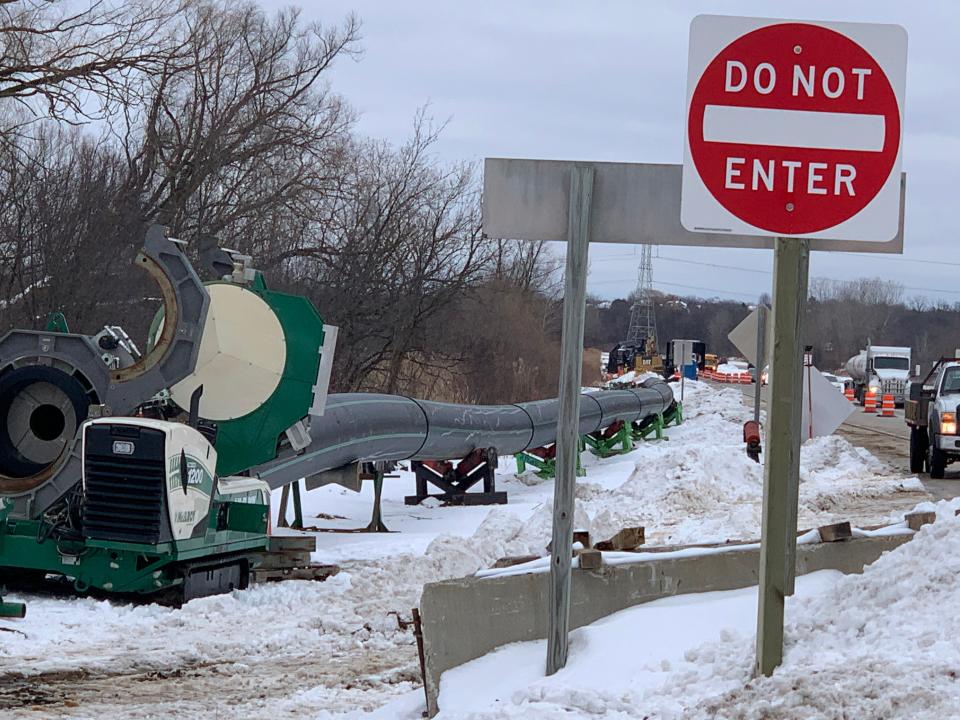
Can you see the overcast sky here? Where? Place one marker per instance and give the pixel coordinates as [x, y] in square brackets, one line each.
[575, 80]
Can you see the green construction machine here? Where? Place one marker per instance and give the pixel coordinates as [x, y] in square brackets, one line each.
[124, 473]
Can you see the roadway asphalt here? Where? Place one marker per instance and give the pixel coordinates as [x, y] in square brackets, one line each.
[889, 440]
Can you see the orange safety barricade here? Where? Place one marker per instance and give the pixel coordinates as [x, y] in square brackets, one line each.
[870, 402]
[887, 406]
[848, 393]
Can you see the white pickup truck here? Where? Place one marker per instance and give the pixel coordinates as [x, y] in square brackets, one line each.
[931, 412]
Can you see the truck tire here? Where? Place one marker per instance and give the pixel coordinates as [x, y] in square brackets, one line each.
[918, 449]
[937, 462]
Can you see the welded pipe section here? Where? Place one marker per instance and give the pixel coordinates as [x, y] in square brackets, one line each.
[366, 427]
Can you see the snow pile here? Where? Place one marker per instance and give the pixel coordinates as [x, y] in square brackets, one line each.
[683, 494]
[633, 377]
[877, 645]
[618, 667]
[701, 486]
[732, 369]
[836, 475]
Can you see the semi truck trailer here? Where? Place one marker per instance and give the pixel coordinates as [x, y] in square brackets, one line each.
[884, 369]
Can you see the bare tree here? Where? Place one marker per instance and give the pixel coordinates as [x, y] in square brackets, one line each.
[395, 242]
[73, 61]
[65, 240]
[528, 266]
[869, 291]
[508, 354]
[242, 124]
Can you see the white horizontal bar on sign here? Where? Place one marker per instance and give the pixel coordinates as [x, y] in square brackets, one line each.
[793, 128]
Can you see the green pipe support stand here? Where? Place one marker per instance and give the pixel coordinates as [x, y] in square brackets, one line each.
[617, 444]
[546, 467]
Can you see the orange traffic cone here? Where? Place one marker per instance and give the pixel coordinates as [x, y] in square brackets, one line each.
[848, 393]
[870, 401]
[886, 407]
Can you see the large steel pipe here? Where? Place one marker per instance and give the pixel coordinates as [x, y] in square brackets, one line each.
[366, 427]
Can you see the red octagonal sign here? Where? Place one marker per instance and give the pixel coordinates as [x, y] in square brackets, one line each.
[794, 128]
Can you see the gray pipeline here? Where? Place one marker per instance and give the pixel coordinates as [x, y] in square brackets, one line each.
[366, 427]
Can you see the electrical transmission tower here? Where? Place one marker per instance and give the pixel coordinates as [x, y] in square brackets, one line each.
[643, 318]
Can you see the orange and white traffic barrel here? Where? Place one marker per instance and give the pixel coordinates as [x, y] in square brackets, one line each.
[870, 401]
[887, 406]
[848, 393]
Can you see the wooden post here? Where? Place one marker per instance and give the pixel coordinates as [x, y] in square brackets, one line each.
[782, 471]
[568, 424]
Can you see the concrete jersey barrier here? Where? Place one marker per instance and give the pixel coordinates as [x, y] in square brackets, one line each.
[467, 618]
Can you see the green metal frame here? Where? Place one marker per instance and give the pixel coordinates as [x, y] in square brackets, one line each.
[650, 426]
[57, 322]
[546, 468]
[673, 414]
[132, 567]
[617, 444]
[12, 609]
[656, 424]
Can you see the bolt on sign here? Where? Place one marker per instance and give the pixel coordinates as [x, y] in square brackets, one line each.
[794, 128]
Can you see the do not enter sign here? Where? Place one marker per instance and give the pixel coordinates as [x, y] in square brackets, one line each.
[794, 128]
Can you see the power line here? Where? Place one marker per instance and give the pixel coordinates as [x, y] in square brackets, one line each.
[694, 287]
[864, 256]
[901, 258]
[770, 272]
[688, 287]
[717, 265]
[692, 262]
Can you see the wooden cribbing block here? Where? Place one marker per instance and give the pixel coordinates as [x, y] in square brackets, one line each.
[279, 560]
[627, 539]
[590, 559]
[579, 536]
[917, 520]
[835, 532]
[283, 543]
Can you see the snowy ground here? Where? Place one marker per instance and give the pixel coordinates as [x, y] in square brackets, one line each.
[316, 650]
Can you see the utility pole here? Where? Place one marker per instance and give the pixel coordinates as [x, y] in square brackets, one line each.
[643, 317]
